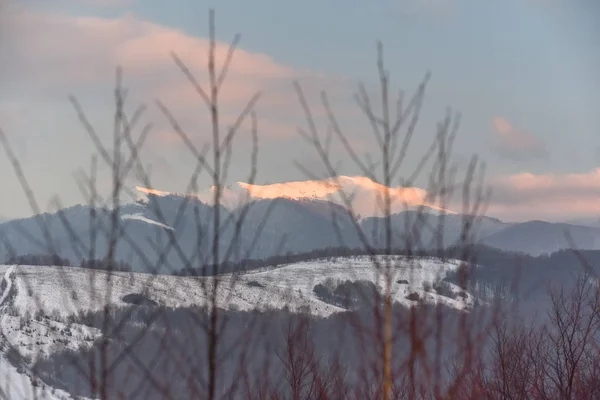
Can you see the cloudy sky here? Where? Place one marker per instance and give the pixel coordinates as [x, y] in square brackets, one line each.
[524, 74]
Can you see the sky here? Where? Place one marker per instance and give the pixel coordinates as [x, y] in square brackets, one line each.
[524, 75]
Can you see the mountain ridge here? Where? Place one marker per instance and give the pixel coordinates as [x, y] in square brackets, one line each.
[174, 232]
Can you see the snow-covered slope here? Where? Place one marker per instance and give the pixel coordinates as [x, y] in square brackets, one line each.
[36, 302]
[67, 290]
[408, 276]
[16, 382]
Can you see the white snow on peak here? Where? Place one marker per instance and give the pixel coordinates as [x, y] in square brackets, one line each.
[364, 194]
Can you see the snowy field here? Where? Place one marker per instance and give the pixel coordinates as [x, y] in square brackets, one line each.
[31, 339]
[35, 301]
[67, 290]
[408, 276]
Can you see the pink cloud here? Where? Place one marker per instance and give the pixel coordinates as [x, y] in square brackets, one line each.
[55, 55]
[88, 46]
[514, 143]
[546, 196]
[553, 183]
[108, 2]
[104, 3]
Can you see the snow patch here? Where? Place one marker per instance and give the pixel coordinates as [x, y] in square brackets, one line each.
[141, 217]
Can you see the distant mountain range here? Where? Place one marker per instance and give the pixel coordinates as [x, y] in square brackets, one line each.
[539, 237]
[171, 232]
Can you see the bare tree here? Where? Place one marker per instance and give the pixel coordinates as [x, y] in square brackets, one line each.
[468, 356]
[393, 129]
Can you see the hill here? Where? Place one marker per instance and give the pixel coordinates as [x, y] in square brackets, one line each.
[540, 237]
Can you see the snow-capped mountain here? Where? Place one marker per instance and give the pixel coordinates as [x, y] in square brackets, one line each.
[166, 232]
